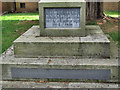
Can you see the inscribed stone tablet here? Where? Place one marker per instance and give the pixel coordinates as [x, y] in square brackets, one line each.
[62, 17]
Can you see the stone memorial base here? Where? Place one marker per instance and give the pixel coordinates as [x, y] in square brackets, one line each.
[94, 45]
[89, 58]
[58, 69]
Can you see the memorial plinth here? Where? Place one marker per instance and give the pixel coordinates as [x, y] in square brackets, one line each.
[61, 18]
[94, 45]
[63, 33]
[62, 47]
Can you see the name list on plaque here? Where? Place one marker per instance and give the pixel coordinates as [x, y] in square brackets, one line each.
[62, 17]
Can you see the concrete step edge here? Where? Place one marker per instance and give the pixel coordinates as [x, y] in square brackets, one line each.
[42, 84]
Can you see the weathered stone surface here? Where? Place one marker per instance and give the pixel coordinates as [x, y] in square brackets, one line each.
[8, 58]
[60, 85]
[46, 46]
[9, 61]
[62, 30]
[92, 85]
[95, 45]
[60, 54]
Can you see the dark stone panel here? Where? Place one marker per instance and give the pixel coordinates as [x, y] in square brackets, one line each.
[102, 74]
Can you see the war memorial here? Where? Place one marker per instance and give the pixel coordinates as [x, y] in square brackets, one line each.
[61, 48]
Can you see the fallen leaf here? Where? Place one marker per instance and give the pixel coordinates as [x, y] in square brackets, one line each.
[104, 21]
[42, 81]
[16, 30]
[49, 61]
[21, 33]
[99, 23]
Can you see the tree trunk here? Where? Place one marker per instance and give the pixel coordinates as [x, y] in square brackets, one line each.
[94, 10]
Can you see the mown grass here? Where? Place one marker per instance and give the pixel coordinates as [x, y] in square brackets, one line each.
[115, 36]
[111, 28]
[93, 22]
[112, 13]
[13, 25]
[12, 29]
[20, 16]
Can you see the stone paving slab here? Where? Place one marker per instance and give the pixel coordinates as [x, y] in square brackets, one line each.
[27, 84]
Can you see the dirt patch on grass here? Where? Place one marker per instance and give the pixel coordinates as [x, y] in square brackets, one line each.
[110, 28]
[108, 24]
[27, 21]
[114, 29]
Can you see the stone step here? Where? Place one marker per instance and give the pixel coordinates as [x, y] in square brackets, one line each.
[95, 45]
[57, 85]
[58, 69]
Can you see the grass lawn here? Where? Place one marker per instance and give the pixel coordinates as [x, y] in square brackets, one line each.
[20, 16]
[110, 27]
[112, 13]
[13, 27]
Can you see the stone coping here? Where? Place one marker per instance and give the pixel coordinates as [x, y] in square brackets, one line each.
[95, 35]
